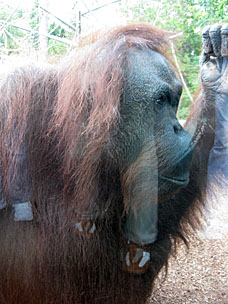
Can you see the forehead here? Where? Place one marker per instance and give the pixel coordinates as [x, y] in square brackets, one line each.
[151, 70]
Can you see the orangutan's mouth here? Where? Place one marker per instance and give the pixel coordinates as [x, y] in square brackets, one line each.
[178, 174]
[182, 182]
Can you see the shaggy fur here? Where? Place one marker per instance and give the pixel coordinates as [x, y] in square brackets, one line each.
[67, 117]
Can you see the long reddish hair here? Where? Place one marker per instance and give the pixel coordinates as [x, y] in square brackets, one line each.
[88, 99]
[65, 119]
[66, 116]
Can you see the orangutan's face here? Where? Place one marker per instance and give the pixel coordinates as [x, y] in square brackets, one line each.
[149, 124]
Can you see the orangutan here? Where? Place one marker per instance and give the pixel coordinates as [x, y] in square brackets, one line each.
[99, 179]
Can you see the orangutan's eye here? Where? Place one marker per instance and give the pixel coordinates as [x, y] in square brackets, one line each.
[160, 102]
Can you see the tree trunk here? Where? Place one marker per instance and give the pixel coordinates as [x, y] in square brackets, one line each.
[43, 31]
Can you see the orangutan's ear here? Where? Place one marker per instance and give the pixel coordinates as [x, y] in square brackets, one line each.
[128, 43]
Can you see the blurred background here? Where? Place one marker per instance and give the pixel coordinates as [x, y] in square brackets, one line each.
[47, 30]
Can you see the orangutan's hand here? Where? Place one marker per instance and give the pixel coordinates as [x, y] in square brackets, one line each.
[214, 60]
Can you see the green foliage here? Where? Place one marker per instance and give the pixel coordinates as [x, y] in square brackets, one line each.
[57, 30]
[34, 24]
[178, 16]
[56, 48]
[182, 16]
[54, 29]
[216, 10]
[12, 37]
[9, 35]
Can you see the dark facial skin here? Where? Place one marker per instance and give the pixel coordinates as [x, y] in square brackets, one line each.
[148, 112]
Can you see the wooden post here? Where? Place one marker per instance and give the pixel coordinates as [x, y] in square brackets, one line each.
[79, 22]
[43, 31]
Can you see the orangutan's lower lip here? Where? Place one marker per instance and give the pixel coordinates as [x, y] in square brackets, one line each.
[180, 182]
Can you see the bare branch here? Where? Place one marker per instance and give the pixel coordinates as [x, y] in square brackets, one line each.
[179, 71]
[97, 8]
[63, 40]
[158, 13]
[8, 19]
[176, 36]
[63, 22]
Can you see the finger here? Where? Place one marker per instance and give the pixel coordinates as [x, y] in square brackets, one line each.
[215, 37]
[203, 58]
[224, 42]
[207, 47]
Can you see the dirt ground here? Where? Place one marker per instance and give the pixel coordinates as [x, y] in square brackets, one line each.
[199, 275]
